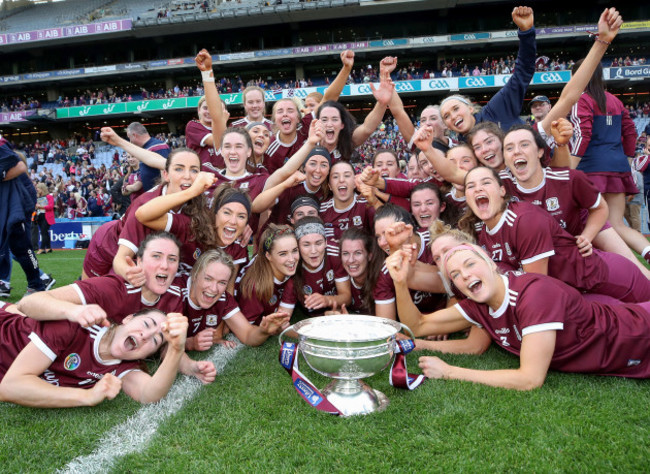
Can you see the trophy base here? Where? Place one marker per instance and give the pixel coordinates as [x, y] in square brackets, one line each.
[354, 397]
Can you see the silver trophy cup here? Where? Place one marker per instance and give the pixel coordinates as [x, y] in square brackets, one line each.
[348, 348]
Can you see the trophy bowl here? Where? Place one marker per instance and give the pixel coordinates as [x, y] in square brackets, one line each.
[348, 348]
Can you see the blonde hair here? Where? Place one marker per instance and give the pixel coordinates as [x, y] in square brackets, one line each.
[211, 256]
[253, 88]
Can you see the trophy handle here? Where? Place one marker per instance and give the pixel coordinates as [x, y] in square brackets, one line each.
[407, 329]
[289, 329]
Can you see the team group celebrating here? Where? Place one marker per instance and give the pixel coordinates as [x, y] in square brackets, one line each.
[498, 231]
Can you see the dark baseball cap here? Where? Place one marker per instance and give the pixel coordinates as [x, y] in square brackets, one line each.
[539, 98]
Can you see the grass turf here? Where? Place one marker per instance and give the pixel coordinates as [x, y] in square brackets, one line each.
[251, 418]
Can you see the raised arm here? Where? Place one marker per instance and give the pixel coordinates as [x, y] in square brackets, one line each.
[446, 168]
[147, 157]
[219, 117]
[334, 90]
[383, 96]
[445, 321]
[266, 199]
[608, 26]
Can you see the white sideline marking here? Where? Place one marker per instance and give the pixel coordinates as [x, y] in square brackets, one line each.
[133, 435]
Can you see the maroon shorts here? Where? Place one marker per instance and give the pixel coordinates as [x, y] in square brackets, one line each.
[102, 249]
[612, 182]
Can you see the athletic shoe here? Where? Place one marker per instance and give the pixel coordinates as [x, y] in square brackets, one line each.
[30, 291]
[5, 290]
[48, 281]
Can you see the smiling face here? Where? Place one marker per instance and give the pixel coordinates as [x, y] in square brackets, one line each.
[286, 116]
[355, 258]
[310, 105]
[484, 195]
[342, 183]
[441, 245]
[210, 284]
[312, 250]
[472, 275]
[331, 119]
[138, 337]
[231, 220]
[426, 207]
[183, 170]
[386, 164]
[488, 149]
[317, 169]
[204, 114]
[284, 257]
[463, 157]
[425, 165]
[236, 152]
[160, 264]
[430, 117]
[413, 170]
[380, 232]
[132, 160]
[523, 157]
[254, 106]
[457, 116]
[261, 137]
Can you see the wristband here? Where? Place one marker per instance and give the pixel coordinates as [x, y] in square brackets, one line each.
[207, 76]
[597, 39]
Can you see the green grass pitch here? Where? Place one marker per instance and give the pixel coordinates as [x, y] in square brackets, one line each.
[252, 420]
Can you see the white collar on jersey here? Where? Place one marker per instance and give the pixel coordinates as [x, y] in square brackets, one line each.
[340, 211]
[536, 188]
[499, 224]
[98, 337]
[280, 282]
[506, 300]
[319, 268]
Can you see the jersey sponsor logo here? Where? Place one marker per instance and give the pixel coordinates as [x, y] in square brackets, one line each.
[50, 377]
[632, 362]
[330, 275]
[72, 361]
[552, 204]
[536, 202]
[211, 320]
[307, 290]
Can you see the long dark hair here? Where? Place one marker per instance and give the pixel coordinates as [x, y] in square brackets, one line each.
[596, 86]
[375, 262]
[344, 145]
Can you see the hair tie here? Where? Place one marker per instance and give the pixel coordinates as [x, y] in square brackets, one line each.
[452, 251]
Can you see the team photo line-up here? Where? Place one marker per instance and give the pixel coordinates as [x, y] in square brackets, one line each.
[494, 231]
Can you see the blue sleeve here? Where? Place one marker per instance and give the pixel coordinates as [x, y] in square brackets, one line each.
[8, 159]
[505, 106]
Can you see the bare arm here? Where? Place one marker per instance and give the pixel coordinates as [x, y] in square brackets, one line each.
[376, 115]
[445, 168]
[608, 26]
[334, 90]
[149, 389]
[219, 118]
[16, 171]
[538, 266]
[266, 199]
[23, 386]
[534, 360]
[147, 157]
[476, 343]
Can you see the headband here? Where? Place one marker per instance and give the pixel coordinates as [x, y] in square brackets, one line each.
[459, 98]
[268, 243]
[304, 201]
[452, 251]
[254, 124]
[310, 228]
[239, 197]
[319, 151]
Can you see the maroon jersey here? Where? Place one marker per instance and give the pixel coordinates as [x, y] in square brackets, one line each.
[403, 187]
[253, 183]
[279, 153]
[105, 242]
[525, 234]
[243, 122]
[200, 319]
[119, 299]
[73, 350]
[324, 278]
[195, 135]
[426, 302]
[565, 194]
[283, 298]
[358, 214]
[356, 305]
[590, 337]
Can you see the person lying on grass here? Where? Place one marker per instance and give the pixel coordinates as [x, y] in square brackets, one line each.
[543, 321]
[57, 364]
